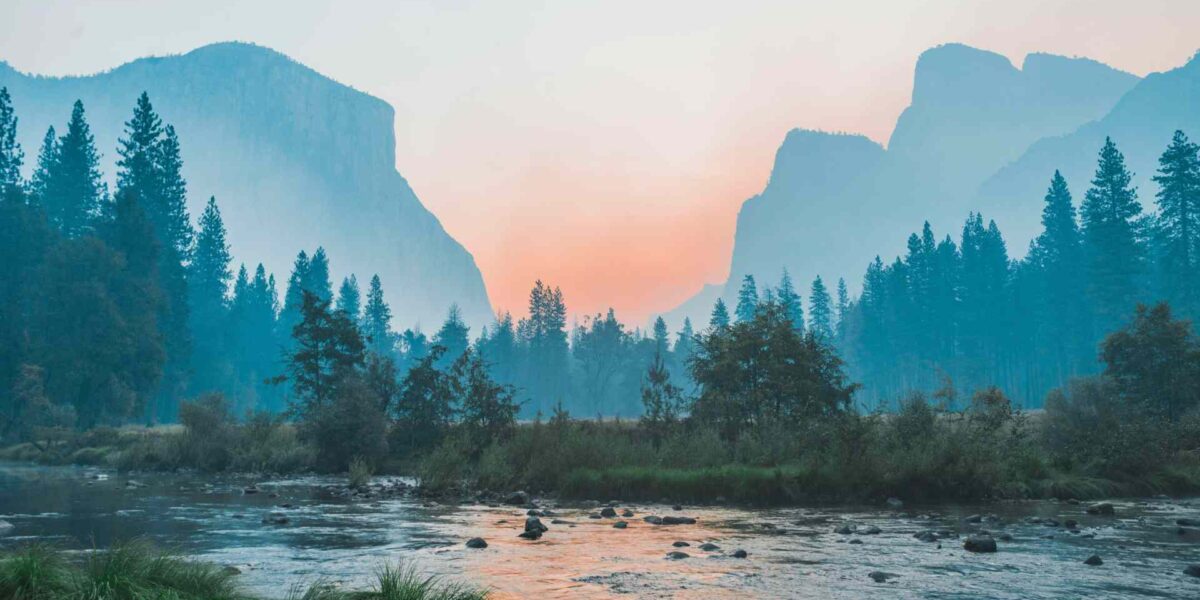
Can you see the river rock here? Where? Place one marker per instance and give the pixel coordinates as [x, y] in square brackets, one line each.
[881, 576]
[855, 541]
[974, 519]
[530, 535]
[561, 522]
[1071, 524]
[535, 524]
[681, 544]
[1094, 561]
[653, 519]
[275, 518]
[677, 507]
[1188, 522]
[608, 512]
[620, 525]
[709, 547]
[1102, 508]
[250, 489]
[476, 542]
[844, 530]
[677, 555]
[533, 512]
[926, 536]
[980, 543]
[517, 499]
[668, 520]
[1193, 570]
[627, 513]
[739, 553]
[872, 530]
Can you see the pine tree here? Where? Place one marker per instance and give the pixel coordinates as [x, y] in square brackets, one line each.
[747, 304]
[720, 315]
[793, 307]
[293, 298]
[377, 321]
[1110, 239]
[821, 311]
[74, 191]
[1059, 324]
[176, 226]
[454, 336]
[685, 341]
[662, 338]
[349, 299]
[47, 156]
[208, 287]
[843, 309]
[318, 281]
[1178, 225]
[11, 156]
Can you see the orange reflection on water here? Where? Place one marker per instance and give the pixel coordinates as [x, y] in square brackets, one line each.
[589, 558]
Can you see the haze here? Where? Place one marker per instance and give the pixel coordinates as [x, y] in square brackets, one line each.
[605, 146]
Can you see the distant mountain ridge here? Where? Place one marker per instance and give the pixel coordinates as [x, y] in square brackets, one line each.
[295, 160]
[835, 201]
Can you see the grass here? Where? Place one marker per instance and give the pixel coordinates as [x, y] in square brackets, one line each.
[138, 571]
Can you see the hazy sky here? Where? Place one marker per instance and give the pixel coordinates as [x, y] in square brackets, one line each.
[604, 146]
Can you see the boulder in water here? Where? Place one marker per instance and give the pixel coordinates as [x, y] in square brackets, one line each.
[517, 499]
[709, 547]
[1193, 570]
[653, 519]
[678, 520]
[627, 513]
[677, 555]
[980, 543]
[275, 518]
[620, 525]
[681, 544]
[1094, 561]
[1103, 508]
[608, 512]
[881, 576]
[535, 524]
[739, 553]
[476, 542]
[530, 535]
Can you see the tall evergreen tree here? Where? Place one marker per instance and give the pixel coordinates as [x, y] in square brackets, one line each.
[47, 156]
[720, 315]
[454, 336]
[377, 321]
[1177, 231]
[208, 287]
[1060, 323]
[11, 156]
[843, 309]
[1114, 252]
[820, 309]
[74, 191]
[318, 281]
[662, 338]
[747, 303]
[349, 299]
[790, 301]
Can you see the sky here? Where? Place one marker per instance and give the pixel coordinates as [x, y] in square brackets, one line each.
[604, 147]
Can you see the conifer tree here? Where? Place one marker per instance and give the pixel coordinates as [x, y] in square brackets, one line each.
[377, 321]
[208, 288]
[349, 299]
[685, 341]
[789, 300]
[293, 296]
[454, 336]
[11, 156]
[1056, 256]
[1114, 252]
[720, 315]
[662, 338]
[747, 303]
[1177, 234]
[74, 191]
[820, 309]
[317, 280]
[843, 309]
[47, 155]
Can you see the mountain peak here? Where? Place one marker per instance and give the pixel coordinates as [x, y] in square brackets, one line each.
[955, 73]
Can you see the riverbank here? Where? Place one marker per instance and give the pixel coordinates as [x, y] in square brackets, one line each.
[137, 571]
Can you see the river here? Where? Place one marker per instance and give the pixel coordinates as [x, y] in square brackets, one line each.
[791, 553]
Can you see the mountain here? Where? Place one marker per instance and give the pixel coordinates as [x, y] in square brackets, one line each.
[1141, 124]
[835, 201]
[295, 160]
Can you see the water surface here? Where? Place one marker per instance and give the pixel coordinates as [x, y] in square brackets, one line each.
[793, 553]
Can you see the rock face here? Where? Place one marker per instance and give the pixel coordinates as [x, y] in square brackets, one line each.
[972, 112]
[295, 160]
[979, 543]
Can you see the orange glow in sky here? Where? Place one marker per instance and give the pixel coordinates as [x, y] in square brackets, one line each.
[605, 147]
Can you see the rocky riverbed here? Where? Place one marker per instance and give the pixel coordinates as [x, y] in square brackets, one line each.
[278, 531]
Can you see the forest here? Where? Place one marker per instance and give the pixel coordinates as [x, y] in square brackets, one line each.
[116, 310]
